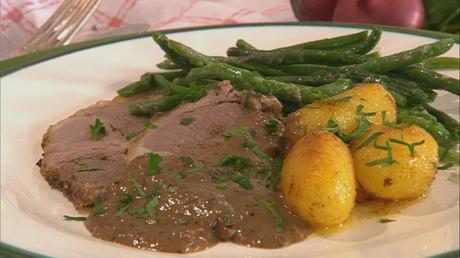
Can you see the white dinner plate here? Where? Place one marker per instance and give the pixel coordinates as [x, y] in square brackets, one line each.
[40, 90]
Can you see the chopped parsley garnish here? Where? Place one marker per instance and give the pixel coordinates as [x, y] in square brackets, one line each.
[370, 140]
[186, 121]
[189, 161]
[384, 161]
[149, 209]
[154, 164]
[239, 131]
[235, 161]
[97, 130]
[150, 125]
[270, 207]
[71, 218]
[182, 221]
[98, 209]
[359, 111]
[339, 100]
[137, 187]
[221, 185]
[83, 167]
[126, 199]
[228, 216]
[268, 172]
[271, 125]
[181, 175]
[385, 220]
[173, 189]
[410, 146]
[242, 180]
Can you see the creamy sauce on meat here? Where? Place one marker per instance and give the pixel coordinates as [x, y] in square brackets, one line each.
[195, 202]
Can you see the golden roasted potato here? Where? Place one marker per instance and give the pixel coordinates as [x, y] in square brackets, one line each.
[344, 108]
[395, 163]
[318, 180]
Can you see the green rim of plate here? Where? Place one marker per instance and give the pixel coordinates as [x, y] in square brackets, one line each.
[17, 63]
[14, 64]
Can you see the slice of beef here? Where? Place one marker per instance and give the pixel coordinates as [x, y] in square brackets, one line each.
[82, 168]
[194, 201]
[208, 117]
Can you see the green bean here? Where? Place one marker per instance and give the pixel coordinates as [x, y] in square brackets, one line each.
[167, 87]
[314, 80]
[410, 90]
[449, 123]
[403, 59]
[432, 79]
[449, 156]
[331, 43]
[300, 56]
[150, 107]
[262, 69]
[146, 83]
[375, 54]
[305, 69]
[441, 63]
[309, 95]
[234, 51]
[401, 101]
[242, 44]
[366, 45]
[437, 130]
[192, 56]
[162, 41]
[168, 64]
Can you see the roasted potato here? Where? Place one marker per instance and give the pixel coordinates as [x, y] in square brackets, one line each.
[395, 162]
[317, 179]
[344, 109]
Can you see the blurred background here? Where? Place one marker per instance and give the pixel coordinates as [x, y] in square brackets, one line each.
[21, 19]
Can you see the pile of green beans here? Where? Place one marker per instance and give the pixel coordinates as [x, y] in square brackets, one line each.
[302, 73]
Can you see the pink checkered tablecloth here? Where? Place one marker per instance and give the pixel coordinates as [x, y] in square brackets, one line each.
[20, 19]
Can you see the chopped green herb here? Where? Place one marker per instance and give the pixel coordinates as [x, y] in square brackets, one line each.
[126, 199]
[228, 216]
[187, 121]
[385, 220]
[154, 164]
[97, 130]
[360, 130]
[384, 161]
[83, 167]
[71, 218]
[334, 127]
[370, 140]
[339, 100]
[221, 185]
[131, 135]
[242, 180]
[98, 209]
[359, 111]
[173, 189]
[149, 209]
[270, 207]
[239, 131]
[446, 166]
[411, 147]
[234, 161]
[137, 187]
[181, 175]
[271, 126]
[150, 125]
[189, 161]
[183, 221]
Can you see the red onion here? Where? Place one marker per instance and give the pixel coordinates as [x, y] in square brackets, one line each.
[314, 10]
[404, 13]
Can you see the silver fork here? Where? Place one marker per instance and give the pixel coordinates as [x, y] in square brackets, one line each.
[62, 26]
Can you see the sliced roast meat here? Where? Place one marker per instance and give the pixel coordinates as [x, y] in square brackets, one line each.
[205, 193]
[80, 167]
[207, 117]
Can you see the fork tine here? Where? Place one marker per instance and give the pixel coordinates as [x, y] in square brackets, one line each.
[80, 20]
[51, 23]
[63, 25]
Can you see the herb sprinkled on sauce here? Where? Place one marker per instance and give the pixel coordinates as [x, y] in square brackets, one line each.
[186, 121]
[97, 130]
[154, 164]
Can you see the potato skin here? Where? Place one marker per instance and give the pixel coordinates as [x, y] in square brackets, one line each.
[318, 181]
[316, 115]
[410, 177]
